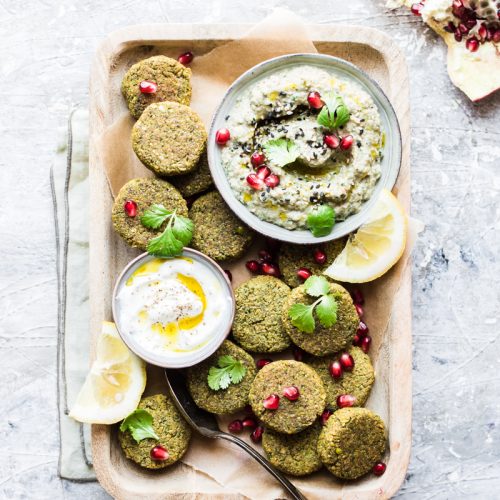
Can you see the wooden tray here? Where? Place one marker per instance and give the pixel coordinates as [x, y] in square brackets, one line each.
[377, 54]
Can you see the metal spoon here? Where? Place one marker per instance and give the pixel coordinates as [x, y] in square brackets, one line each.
[206, 424]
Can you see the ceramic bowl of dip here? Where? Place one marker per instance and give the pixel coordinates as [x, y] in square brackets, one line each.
[390, 145]
[173, 312]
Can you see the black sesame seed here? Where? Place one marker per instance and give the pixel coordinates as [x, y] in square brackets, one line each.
[226, 118]
[361, 131]
[358, 144]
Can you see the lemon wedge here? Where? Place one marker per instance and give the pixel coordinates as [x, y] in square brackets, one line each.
[376, 246]
[115, 383]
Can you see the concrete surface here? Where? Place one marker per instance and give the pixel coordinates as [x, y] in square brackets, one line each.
[46, 50]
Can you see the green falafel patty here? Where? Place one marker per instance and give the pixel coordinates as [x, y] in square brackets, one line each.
[293, 257]
[173, 81]
[229, 400]
[196, 182]
[357, 382]
[168, 424]
[291, 416]
[144, 192]
[257, 323]
[169, 138]
[323, 340]
[217, 232]
[295, 454]
[351, 442]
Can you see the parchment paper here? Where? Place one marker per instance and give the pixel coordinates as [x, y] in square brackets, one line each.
[281, 33]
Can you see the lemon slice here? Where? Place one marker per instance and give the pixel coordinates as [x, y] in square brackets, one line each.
[376, 246]
[115, 383]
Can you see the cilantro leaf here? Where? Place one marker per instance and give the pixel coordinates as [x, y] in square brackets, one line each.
[326, 310]
[165, 245]
[140, 425]
[281, 151]
[182, 228]
[341, 114]
[334, 113]
[155, 216]
[227, 371]
[316, 286]
[321, 220]
[302, 317]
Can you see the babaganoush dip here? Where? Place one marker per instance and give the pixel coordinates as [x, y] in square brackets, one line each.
[173, 307]
[302, 138]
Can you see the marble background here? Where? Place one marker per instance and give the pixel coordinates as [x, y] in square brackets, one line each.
[46, 50]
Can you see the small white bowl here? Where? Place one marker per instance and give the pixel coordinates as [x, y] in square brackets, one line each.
[390, 163]
[180, 360]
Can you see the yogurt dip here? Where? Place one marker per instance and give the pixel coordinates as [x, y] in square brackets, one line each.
[170, 311]
[276, 107]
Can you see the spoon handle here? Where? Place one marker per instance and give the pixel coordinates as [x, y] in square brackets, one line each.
[294, 492]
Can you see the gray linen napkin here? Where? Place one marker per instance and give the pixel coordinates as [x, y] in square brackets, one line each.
[70, 194]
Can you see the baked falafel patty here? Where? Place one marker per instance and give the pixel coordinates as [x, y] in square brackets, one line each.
[197, 181]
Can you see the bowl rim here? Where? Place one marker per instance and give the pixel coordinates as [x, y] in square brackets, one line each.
[275, 231]
[148, 355]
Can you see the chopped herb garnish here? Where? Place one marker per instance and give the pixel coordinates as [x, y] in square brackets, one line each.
[227, 371]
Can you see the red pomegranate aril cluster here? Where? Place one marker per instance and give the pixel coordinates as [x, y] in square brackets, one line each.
[159, 453]
[272, 180]
[257, 159]
[346, 400]
[222, 136]
[256, 435]
[291, 393]
[314, 100]
[347, 362]
[130, 207]
[270, 269]
[148, 87]
[336, 370]
[263, 177]
[361, 338]
[264, 265]
[253, 266]
[325, 416]
[359, 310]
[249, 423]
[272, 402]
[185, 58]
[262, 362]
[472, 44]
[319, 256]
[379, 468]
[235, 426]
[303, 273]
[254, 181]
[265, 256]
[365, 344]
[332, 141]
[263, 172]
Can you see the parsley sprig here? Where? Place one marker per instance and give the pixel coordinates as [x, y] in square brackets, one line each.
[325, 306]
[176, 235]
[334, 113]
[281, 151]
[227, 371]
[140, 425]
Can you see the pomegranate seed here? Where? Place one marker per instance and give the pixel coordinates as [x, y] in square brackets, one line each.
[235, 426]
[229, 274]
[314, 100]
[379, 468]
[263, 172]
[262, 362]
[450, 27]
[335, 370]
[472, 44]
[303, 273]
[416, 9]
[148, 87]
[256, 435]
[319, 256]
[222, 136]
[253, 266]
[325, 416]
[185, 58]
[458, 9]
[362, 330]
[272, 180]
[482, 32]
[298, 354]
[291, 393]
[255, 182]
[159, 452]
[345, 400]
[357, 297]
[347, 362]
[470, 23]
[249, 423]
[496, 36]
[365, 344]
[463, 29]
[270, 269]
[332, 141]
[130, 207]
[346, 142]
[257, 159]
[271, 402]
[265, 256]
[458, 36]
[356, 340]
[359, 310]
